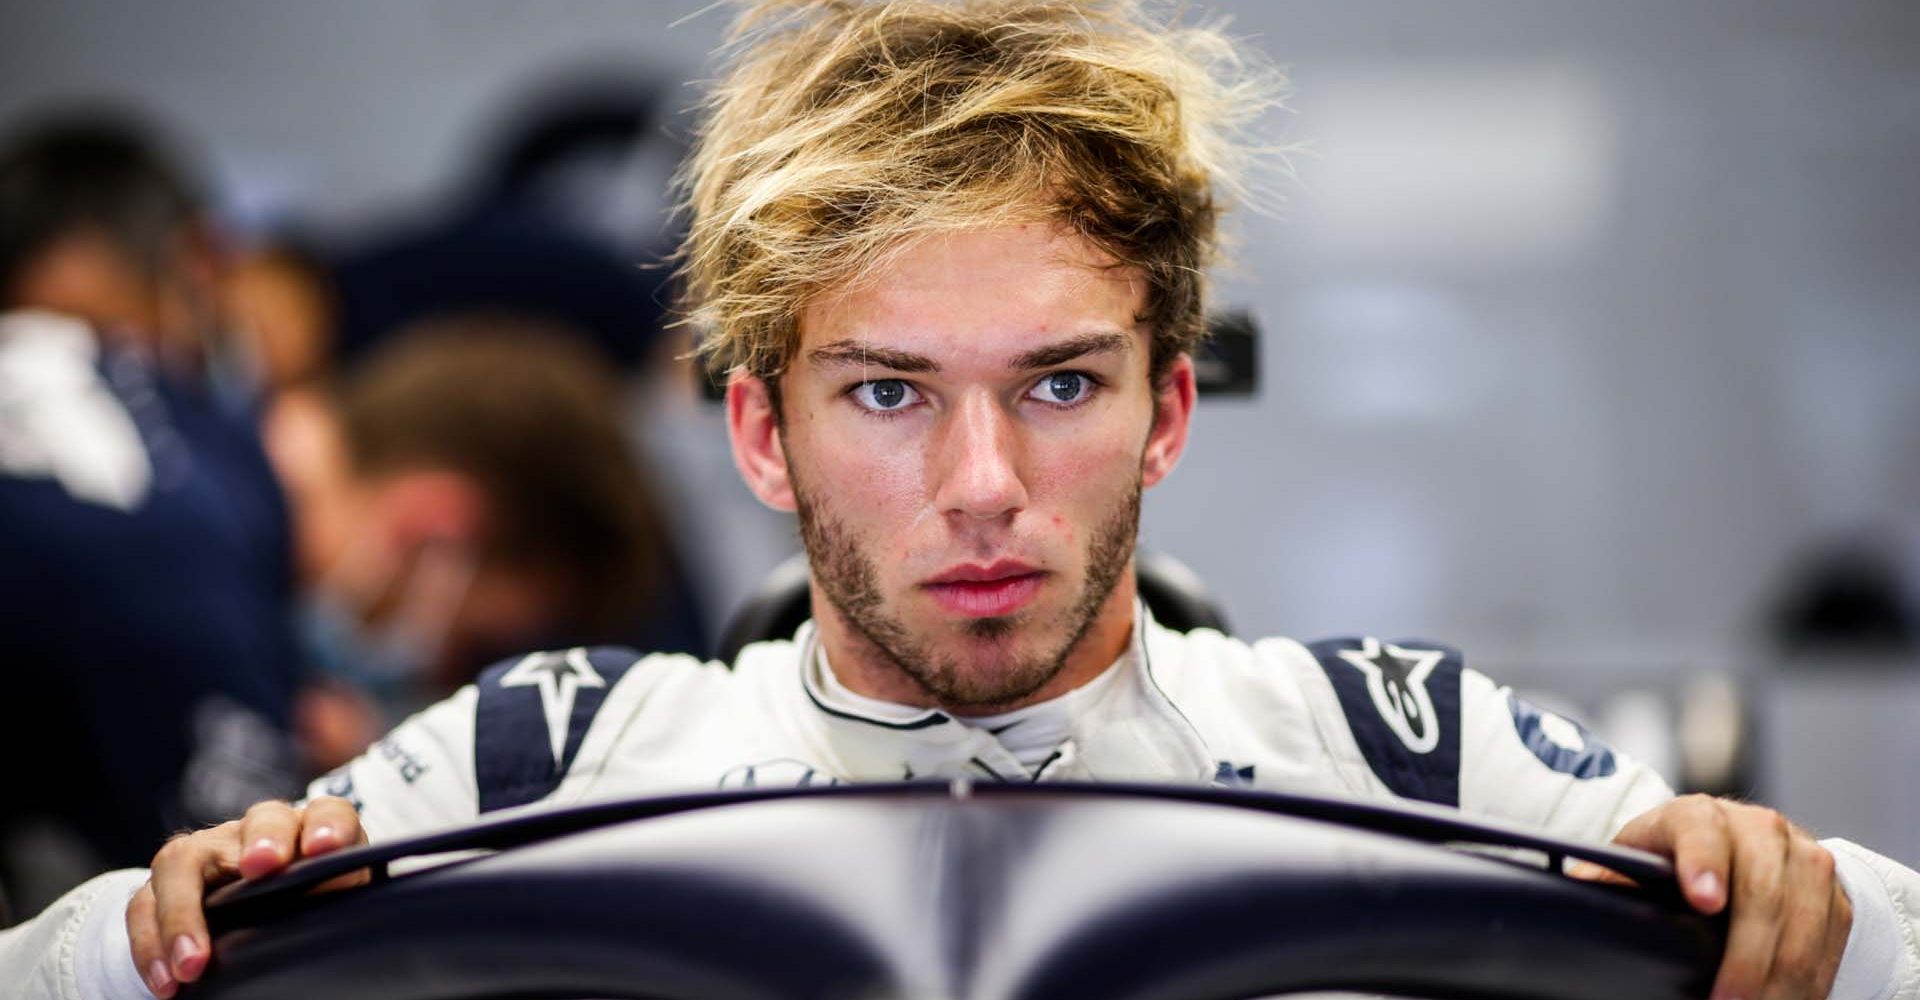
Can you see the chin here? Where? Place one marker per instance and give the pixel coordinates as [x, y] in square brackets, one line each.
[996, 631]
[991, 690]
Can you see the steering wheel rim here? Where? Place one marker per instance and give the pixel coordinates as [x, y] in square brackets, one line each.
[989, 892]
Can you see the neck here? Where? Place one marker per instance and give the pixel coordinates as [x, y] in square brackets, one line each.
[866, 669]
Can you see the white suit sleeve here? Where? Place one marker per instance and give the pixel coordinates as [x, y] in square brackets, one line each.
[1882, 960]
[76, 949]
[417, 778]
[1524, 764]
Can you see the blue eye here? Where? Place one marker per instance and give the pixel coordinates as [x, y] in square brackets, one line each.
[885, 395]
[1062, 388]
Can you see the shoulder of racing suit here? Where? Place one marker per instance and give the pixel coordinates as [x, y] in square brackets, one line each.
[1396, 718]
[527, 728]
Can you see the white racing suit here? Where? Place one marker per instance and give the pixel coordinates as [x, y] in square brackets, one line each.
[1352, 717]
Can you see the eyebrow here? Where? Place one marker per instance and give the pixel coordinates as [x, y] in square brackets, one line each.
[1107, 342]
[860, 354]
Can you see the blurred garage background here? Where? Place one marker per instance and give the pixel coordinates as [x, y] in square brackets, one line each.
[1589, 333]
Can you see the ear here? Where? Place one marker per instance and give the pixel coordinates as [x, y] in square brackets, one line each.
[431, 505]
[1172, 417]
[753, 430]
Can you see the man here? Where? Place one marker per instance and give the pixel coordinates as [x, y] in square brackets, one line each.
[438, 526]
[953, 255]
[147, 660]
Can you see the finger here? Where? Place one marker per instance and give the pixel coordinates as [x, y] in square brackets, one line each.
[1806, 910]
[329, 824]
[349, 880]
[1587, 871]
[1695, 833]
[269, 833]
[182, 871]
[1759, 868]
[143, 939]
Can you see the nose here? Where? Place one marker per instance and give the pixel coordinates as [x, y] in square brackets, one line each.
[979, 461]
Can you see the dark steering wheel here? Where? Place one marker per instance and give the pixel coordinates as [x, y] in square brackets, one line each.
[967, 892]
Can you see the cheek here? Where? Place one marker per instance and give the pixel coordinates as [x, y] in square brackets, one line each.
[875, 487]
[1077, 487]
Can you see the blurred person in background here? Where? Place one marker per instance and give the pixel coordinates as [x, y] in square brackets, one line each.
[465, 491]
[282, 313]
[144, 552]
[561, 223]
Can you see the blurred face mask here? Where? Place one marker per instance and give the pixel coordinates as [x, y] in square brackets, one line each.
[391, 657]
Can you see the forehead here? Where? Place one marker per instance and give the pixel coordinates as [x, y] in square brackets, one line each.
[986, 292]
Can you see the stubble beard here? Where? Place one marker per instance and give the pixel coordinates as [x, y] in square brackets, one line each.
[845, 574]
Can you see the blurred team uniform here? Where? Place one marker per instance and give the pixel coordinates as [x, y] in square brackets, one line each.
[147, 657]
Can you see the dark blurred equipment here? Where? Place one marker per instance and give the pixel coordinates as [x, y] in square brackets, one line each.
[147, 658]
[1175, 594]
[1227, 362]
[516, 242]
[1851, 598]
[988, 892]
[1171, 591]
[774, 611]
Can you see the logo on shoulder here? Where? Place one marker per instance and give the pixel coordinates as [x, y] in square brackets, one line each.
[559, 676]
[1559, 742]
[1397, 681]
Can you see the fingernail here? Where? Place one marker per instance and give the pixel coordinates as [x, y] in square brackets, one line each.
[1707, 884]
[185, 952]
[323, 835]
[265, 844]
[159, 980]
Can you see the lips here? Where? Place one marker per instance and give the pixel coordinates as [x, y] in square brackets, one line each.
[985, 591]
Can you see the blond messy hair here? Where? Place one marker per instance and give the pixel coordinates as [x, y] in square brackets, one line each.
[845, 130]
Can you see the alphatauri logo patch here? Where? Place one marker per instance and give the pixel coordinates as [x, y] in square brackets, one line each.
[558, 676]
[533, 717]
[1397, 681]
